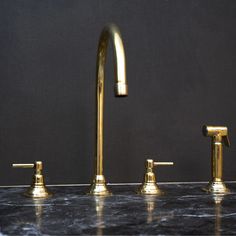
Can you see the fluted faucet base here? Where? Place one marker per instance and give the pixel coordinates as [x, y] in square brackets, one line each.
[216, 187]
[98, 187]
[149, 189]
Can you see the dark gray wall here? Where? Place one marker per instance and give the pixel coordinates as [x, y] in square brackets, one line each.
[181, 70]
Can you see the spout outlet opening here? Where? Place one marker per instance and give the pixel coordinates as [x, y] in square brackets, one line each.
[121, 90]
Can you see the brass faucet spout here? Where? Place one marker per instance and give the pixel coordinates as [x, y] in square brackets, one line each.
[111, 32]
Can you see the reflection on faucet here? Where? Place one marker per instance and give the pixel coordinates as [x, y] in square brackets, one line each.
[150, 206]
[38, 204]
[218, 198]
[121, 89]
[160, 215]
[99, 205]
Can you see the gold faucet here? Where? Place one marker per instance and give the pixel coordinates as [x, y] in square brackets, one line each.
[111, 32]
[37, 189]
[149, 185]
[219, 136]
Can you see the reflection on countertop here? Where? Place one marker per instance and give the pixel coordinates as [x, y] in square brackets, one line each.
[184, 209]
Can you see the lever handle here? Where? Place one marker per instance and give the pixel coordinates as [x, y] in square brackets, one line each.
[150, 163]
[38, 166]
[23, 165]
[156, 163]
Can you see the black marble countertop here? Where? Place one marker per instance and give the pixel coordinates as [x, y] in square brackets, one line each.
[184, 209]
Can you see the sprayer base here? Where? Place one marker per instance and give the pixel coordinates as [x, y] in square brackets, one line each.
[216, 187]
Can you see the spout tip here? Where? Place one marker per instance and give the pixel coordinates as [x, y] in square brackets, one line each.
[121, 90]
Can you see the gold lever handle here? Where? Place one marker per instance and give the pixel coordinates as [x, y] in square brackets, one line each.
[150, 163]
[23, 165]
[38, 166]
[163, 163]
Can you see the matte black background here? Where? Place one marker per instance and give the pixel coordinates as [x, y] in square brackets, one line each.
[181, 70]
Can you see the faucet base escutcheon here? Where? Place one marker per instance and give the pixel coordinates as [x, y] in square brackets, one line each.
[98, 187]
[38, 191]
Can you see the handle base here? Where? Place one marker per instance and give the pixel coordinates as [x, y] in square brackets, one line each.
[37, 191]
[149, 188]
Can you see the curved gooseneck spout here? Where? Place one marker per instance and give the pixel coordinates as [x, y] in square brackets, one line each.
[111, 32]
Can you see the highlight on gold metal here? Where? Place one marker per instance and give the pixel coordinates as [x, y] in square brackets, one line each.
[37, 188]
[111, 32]
[150, 201]
[219, 135]
[149, 186]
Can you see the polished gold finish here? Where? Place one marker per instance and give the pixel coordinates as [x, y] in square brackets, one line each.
[38, 188]
[149, 186]
[219, 136]
[111, 31]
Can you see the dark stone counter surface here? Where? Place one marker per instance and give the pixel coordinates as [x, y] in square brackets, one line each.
[184, 210]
